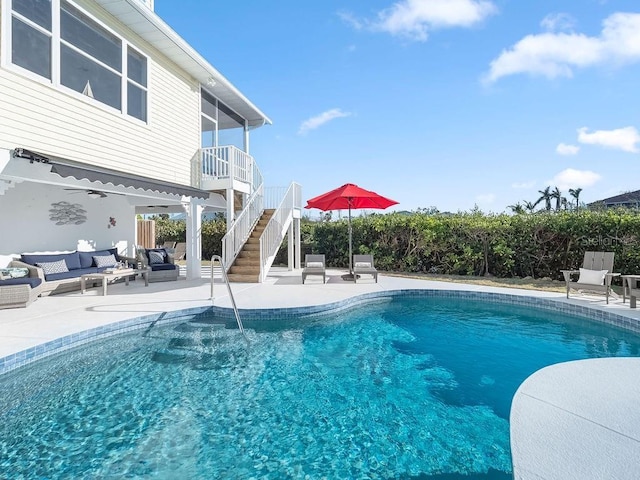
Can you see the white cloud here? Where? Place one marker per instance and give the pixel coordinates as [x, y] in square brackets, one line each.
[524, 185]
[571, 178]
[486, 198]
[554, 55]
[564, 149]
[350, 19]
[319, 120]
[413, 19]
[625, 139]
[555, 22]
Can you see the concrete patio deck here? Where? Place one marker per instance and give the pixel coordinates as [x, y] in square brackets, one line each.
[539, 447]
[55, 316]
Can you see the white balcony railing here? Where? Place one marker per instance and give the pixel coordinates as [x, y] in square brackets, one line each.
[231, 164]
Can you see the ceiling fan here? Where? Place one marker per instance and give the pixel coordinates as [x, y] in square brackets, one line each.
[92, 193]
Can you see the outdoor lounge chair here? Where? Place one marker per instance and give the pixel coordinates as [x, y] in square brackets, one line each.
[363, 264]
[314, 265]
[594, 276]
[180, 252]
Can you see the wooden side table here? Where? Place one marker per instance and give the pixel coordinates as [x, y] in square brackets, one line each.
[630, 288]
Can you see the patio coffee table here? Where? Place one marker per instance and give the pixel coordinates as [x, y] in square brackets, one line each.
[107, 277]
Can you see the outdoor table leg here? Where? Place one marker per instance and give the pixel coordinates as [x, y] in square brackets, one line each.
[104, 286]
[83, 284]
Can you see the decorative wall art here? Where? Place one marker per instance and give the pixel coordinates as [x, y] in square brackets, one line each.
[112, 222]
[65, 213]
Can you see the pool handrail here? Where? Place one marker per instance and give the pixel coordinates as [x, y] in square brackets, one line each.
[218, 258]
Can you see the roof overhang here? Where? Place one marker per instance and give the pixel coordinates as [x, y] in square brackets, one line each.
[149, 26]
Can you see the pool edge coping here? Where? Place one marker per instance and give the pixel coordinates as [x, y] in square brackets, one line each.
[24, 357]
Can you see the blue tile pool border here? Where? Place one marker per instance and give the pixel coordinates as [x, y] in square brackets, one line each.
[38, 352]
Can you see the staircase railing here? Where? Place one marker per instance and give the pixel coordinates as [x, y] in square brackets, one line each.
[242, 227]
[275, 230]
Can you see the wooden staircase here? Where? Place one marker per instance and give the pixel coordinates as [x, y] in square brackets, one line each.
[246, 268]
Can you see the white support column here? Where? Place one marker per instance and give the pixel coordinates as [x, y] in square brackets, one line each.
[132, 251]
[230, 208]
[194, 238]
[246, 138]
[298, 252]
[290, 246]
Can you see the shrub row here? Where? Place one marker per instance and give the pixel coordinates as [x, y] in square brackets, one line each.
[536, 245]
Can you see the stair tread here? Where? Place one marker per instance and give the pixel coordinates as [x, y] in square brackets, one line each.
[246, 267]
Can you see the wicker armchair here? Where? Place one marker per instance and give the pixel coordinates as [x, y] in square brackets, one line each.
[18, 295]
[163, 272]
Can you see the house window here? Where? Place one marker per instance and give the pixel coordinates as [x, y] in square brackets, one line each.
[91, 39]
[90, 57]
[31, 36]
[136, 84]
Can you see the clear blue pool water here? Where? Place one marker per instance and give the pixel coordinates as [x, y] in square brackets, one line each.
[407, 388]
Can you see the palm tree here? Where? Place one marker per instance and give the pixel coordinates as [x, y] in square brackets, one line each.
[530, 206]
[557, 194]
[545, 195]
[575, 193]
[517, 208]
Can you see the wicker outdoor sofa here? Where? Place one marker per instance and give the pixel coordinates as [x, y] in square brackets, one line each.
[75, 265]
[40, 281]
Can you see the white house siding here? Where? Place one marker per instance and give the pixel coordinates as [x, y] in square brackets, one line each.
[37, 116]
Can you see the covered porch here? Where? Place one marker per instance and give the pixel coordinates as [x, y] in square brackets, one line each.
[53, 204]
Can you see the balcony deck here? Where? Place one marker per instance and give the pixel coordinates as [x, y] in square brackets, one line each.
[228, 167]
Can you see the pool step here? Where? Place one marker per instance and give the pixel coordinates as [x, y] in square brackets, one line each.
[205, 344]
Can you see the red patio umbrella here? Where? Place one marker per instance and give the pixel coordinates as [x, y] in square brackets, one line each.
[349, 196]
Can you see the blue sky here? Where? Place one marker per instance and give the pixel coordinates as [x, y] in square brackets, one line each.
[445, 103]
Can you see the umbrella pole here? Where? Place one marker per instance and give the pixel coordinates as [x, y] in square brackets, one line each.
[350, 256]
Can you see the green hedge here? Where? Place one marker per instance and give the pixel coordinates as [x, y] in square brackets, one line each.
[536, 245]
[212, 233]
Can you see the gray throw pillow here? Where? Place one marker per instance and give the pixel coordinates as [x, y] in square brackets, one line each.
[105, 260]
[53, 267]
[156, 257]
